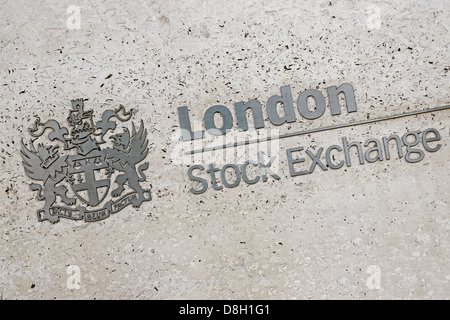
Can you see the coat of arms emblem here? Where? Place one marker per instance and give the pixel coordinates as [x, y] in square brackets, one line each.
[75, 170]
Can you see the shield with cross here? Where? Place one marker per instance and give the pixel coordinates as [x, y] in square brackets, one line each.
[89, 172]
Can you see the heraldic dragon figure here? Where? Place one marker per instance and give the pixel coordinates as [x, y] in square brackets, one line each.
[86, 172]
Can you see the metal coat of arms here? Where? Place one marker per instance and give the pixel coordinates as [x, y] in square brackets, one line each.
[95, 154]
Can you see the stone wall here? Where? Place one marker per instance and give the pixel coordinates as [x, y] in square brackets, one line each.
[372, 231]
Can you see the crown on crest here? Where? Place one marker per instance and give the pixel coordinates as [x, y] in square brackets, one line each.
[78, 114]
[80, 120]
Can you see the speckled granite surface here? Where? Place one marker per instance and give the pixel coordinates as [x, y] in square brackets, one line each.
[373, 231]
